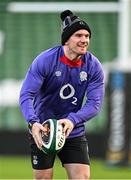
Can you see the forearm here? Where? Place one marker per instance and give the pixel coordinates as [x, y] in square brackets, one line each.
[27, 109]
[30, 87]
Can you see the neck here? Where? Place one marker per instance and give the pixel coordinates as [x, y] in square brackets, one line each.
[71, 55]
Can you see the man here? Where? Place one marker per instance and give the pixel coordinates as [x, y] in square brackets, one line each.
[54, 87]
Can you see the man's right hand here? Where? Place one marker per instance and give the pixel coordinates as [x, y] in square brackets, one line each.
[36, 133]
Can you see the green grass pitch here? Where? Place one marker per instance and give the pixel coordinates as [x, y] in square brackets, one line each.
[19, 167]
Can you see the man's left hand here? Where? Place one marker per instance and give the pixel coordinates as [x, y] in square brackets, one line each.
[68, 126]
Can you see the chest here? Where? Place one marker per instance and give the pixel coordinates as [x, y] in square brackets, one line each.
[68, 75]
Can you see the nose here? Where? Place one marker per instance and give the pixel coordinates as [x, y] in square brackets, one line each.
[83, 39]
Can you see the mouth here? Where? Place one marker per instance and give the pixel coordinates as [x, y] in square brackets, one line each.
[83, 46]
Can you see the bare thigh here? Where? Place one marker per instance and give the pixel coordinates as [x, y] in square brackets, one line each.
[78, 171]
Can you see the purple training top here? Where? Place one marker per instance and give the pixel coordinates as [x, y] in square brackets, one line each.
[54, 87]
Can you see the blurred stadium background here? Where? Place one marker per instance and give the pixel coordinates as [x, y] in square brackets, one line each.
[26, 29]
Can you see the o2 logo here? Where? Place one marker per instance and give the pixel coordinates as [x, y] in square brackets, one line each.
[70, 95]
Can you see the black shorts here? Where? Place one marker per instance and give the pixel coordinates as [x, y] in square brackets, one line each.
[75, 150]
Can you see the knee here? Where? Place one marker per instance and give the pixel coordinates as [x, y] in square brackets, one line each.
[42, 177]
[84, 176]
[87, 176]
[42, 174]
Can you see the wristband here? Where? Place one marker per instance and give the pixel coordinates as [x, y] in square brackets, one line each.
[30, 124]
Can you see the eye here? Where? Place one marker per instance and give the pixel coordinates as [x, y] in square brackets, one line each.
[87, 35]
[78, 35]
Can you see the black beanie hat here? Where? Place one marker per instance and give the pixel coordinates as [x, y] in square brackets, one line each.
[71, 24]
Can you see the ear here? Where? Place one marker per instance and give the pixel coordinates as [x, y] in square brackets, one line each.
[66, 43]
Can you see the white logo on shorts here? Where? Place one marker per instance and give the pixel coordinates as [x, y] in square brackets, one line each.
[35, 161]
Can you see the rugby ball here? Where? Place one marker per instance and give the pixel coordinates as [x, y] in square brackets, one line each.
[54, 138]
